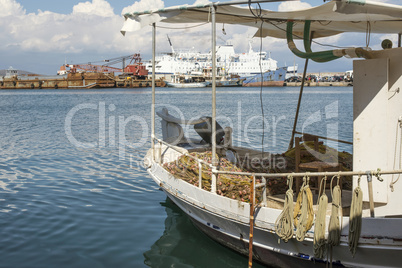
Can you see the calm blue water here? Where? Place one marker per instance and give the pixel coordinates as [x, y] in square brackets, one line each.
[73, 192]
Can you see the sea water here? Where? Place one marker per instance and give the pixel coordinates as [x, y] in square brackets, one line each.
[73, 192]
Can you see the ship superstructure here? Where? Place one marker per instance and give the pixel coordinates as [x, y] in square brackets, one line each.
[228, 62]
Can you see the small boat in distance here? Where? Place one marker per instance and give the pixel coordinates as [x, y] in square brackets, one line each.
[179, 81]
[229, 82]
[268, 79]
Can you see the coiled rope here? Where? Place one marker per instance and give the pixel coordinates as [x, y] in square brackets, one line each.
[334, 228]
[303, 213]
[355, 219]
[319, 229]
[284, 223]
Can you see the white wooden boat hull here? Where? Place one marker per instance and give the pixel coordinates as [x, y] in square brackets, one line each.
[226, 221]
[187, 85]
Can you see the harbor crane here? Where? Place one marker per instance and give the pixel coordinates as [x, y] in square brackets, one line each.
[135, 66]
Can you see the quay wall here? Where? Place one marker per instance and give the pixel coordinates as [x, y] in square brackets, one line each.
[318, 84]
[76, 81]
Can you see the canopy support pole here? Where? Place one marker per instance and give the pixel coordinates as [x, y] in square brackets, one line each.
[399, 40]
[291, 143]
[251, 233]
[213, 49]
[153, 91]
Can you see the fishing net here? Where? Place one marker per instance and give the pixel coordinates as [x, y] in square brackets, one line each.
[232, 186]
[238, 186]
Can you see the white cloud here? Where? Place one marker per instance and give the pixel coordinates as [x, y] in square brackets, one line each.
[33, 42]
[96, 32]
[96, 7]
[143, 5]
[322, 43]
[293, 5]
[93, 30]
[201, 2]
[61, 37]
[92, 27]
[10, 8]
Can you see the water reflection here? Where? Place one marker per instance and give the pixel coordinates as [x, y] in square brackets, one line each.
[183, 245]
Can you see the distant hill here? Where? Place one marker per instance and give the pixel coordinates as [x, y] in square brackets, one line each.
[20, 72]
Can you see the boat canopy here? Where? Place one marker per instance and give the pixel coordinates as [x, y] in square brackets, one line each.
[329, 19]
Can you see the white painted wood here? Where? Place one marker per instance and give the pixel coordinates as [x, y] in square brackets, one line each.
[369, 122]
[377, 109]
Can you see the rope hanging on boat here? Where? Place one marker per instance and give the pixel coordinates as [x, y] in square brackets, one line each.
[334, 227]
[319, 228]
[303, 213]
[377, 174]
[259, 16]
[355, 219]
[284, 223]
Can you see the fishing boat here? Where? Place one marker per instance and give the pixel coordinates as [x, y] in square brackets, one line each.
[222, 80]
[180, 81]
[229, 82]
[186, 84]
[268, 79]
[199, 175]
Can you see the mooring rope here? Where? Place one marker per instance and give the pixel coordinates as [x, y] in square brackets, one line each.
[303, 213]
[319, 229]
[334, 228]
[355, 219]
[284, 223]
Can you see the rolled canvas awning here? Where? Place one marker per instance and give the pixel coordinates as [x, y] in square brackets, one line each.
[328, 19]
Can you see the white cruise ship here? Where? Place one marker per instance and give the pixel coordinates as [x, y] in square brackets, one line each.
[228, 62]
[246, 64]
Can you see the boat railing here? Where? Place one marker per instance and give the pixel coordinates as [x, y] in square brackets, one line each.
[324, 138]
[177, 150]
[270, 176]
[200, 161]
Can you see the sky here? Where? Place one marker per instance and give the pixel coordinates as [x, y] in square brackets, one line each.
[40, 36]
